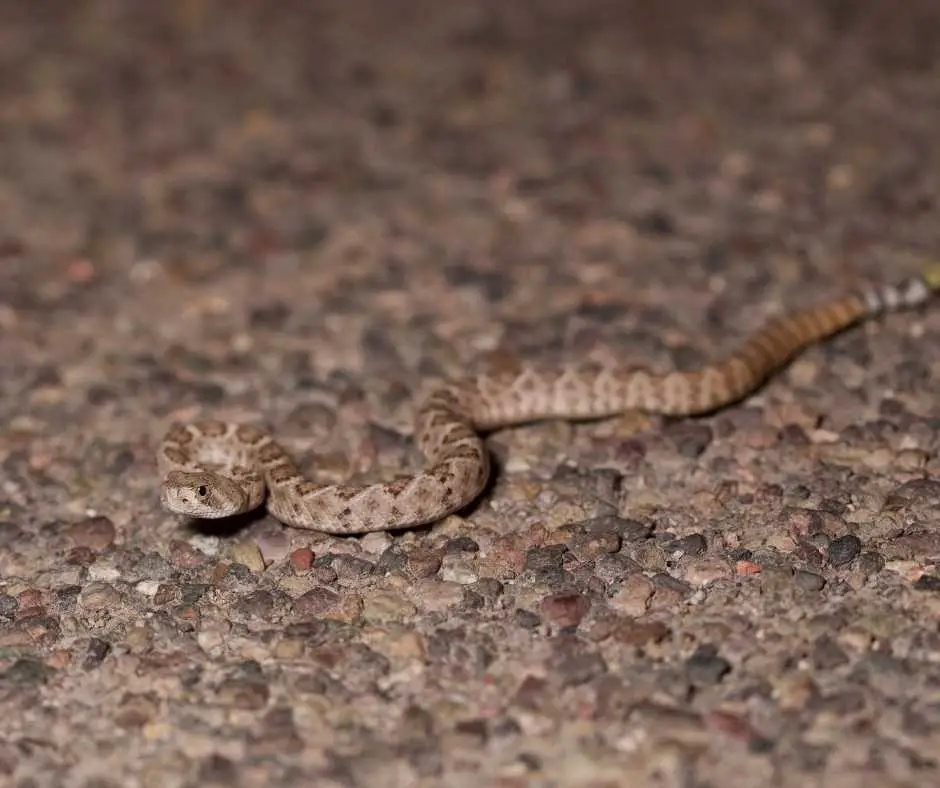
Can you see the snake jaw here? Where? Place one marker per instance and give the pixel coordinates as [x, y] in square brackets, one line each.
[202, 494]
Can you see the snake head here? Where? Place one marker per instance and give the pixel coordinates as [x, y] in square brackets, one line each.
[203, 494]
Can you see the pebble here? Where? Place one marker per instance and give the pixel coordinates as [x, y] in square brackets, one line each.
[386, 604]
[870, 563]
[461, 544]
[326, 603]
[706, 666]
[844, 549]
[301, 559]
[827, 654]
[186, 556]
[611, 568]
[274, 546]
[437, 595]
[351, 572]
[96, 652]
[927, 583]
[422, 563]
[702, 571]
[573, 664]
[564, 610]
[688, 438]
[458, 568]
[247, 554]
[100, 596]
[808, 581]
[917, 492]
[775, 580]
[693, 544]
[592, 544]
[526, 619]
[95, 533]
[633, 596]
[628, 530]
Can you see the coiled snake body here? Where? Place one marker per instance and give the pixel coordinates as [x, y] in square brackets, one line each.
[215, 469]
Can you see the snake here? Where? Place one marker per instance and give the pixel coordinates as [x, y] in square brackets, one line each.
[215, 469]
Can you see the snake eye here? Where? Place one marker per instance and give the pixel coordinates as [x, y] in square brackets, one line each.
[202, 491]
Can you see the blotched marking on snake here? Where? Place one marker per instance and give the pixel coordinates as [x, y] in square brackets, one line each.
[215, 469]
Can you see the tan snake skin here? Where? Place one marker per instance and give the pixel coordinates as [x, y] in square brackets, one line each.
[214, 469]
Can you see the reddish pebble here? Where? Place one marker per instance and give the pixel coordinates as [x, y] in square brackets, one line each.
[31, 597]
[81, 271]
[302, 559]
[186, 556]
[565, 610]
[95, 533]
[747, 568]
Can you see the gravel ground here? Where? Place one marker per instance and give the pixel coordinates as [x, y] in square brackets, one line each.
[301, 215]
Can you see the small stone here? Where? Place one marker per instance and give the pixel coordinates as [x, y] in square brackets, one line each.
[247, 694]
[100, 596]
[165, 593]
[217, 770]
[258, 605]
[913, 493]
[81, 556]
[640, 633]
[325, 603]
[611, 568]
[93, 533]
[870, 563]
[386, 604]
[688, 438]
[8, 605]
[793, 435]
[545, 564]
[702, 571]
[526, 619]
[693, 544]
[633, 596]
[706, 667]
[927, 583]
[487, 587]
[136, 710]
[423, 563]
[391, 560]
[565, 610]
[30, 598]
[273, 545]
[808, 581]
[351, 571]
[97, 650]
[627, 529]
[844, 549]
[191, 593]
[25, 673]
[247, 554]
[458, 568]
[185, 555]
[532, 693]
[827, 654]
[574, 665]
[461, 544]
[302, 559]
[663, 581]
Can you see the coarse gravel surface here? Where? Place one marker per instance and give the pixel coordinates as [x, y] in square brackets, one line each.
[303, 215]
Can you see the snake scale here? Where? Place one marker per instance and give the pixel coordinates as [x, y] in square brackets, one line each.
[216, 469]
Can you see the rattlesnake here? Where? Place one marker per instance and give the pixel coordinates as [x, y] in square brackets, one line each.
[216, 469]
